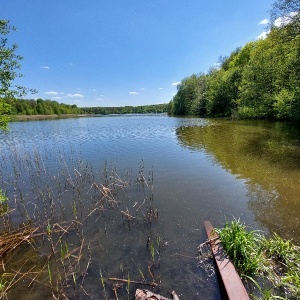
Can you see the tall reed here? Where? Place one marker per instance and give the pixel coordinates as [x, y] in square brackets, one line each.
[69, 210]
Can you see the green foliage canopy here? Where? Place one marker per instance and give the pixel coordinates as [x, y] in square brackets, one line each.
[40, 107]
[143, 109]
[9, 71]
[259, 81]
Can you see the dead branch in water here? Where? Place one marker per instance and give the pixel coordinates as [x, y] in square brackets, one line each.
[134, 282]
[128, 215]
[147, 295]
[208, 242]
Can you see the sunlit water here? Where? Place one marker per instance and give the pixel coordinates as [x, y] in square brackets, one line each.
[195, 169]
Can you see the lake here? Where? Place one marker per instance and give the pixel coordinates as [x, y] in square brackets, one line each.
[133, 191]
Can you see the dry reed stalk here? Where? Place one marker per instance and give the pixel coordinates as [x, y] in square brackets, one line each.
[10, 241]
[141, 205]
[153, 284]
[35, 279]
[13, 281]
[128, 215]
[105, 191]
[115, 289]
[94, 210]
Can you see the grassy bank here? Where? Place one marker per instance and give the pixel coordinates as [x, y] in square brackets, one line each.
[271, 264]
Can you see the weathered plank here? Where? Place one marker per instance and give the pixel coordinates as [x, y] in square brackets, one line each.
[233, 285]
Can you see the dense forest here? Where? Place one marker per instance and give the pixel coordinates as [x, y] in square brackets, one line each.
[155, 108]
[260, 80]
[48, 107]
[40, 107]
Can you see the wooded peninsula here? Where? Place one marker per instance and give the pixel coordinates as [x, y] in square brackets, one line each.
[258, 81]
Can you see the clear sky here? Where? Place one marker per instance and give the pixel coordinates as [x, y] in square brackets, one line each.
[125, 52]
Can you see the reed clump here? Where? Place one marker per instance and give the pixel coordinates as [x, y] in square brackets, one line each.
[3, 203]
[272, 264]
[242, 246]
[59, 223]
[11, 240]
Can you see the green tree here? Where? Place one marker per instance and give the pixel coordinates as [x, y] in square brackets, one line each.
[259, 81]
[9, 71]
[190, 98]
[222, 91]
[288, 10]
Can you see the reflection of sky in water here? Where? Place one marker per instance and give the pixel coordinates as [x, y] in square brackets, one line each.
[203, 170]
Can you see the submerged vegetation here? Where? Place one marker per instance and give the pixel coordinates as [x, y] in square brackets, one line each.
[272, 264]
[46, 245]
[3, 203]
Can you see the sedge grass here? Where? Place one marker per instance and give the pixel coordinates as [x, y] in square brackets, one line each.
[271, 261]
[242, 246]
[3, 203]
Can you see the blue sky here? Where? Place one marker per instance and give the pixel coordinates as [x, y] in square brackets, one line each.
[117, 52]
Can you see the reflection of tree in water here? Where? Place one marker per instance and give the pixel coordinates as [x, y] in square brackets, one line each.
[262, 201]
[274, 212]
[267, 155]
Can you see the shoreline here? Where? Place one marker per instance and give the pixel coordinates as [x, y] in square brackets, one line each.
[17, 118]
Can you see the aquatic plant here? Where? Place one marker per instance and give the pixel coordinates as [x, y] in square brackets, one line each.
[128, 286]
[3, 203]
[3, 285]
[3, 198]
[54, 210]
[242, 246]
[152, 251]
[285, 264]
[273, 261]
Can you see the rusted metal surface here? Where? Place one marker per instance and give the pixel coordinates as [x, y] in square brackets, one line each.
[233, 285]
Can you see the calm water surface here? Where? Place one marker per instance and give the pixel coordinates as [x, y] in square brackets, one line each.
[194, 170]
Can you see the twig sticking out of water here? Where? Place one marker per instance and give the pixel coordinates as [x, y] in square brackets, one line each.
[153, 284]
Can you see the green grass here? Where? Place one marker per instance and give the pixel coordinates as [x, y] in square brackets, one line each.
[279, 249]
[242, 246]
[3, 198]
[271, 260]
[3, 284]
[3, 203]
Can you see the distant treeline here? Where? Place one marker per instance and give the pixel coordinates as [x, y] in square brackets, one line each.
[259, 81]
[41, 107]
[48, 107]
[155, 108]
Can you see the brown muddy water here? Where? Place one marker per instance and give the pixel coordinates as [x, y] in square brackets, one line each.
[126, 197]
